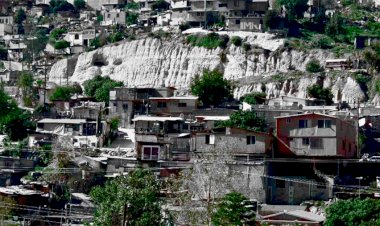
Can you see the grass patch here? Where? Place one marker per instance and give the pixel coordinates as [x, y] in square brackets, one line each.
[210, 41]
[278, 78]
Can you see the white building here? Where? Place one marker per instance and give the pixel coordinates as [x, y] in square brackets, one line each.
[80, 38]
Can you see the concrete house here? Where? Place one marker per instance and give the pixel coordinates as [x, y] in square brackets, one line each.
[240, 142]
[82, 132]
[293, 102]
[81, 37]
[172, 105]
[246, 15]
[316, 135]
[161, 138]
[127, 102]
[113, 17]
[179, 10]
[98, 4]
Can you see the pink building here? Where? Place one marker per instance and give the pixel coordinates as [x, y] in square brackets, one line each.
[316, 135]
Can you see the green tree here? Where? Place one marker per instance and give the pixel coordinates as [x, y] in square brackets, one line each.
[117, 36]
[233, 210]
[131, 17]
[20, 16]
[35, 45]
[372, 57]
[138, 193]
[245, 120]
[99, 87]
[13, 121]
[160, 5]
[79, 4]
[295, 9]
[317, 91]
[272, 19]
[60, 5]
[132, 6]
[335, 25]
[61, 93]
[25, 83]
[364, 212]
[211, 88]
[313, 66]
[254, 98]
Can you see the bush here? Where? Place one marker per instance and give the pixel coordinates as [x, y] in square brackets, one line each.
[318, 92]
[362, 79]
[61, 44]
[131, 18]
[184, 26]
[322, 42]
[61, 93]
[99, 87]
[236, 40]
[377, 86]
[118, 36]
[254, 98]
[210, 41]
[272, 20]
[313, 66]
[246, 47]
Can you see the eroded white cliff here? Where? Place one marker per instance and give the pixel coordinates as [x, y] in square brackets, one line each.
[154, 62]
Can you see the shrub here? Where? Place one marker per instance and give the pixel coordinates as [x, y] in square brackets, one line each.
[118, 36]
[313, 66]
[377, 86]
[61, 44]
[210, 41]
[272, 19]
[184, 26]
[322, 42]
[254, 98]
[131, 18]
[236, 40]
[279, 78]
[246, 47]
[362, 78]
[317, 91]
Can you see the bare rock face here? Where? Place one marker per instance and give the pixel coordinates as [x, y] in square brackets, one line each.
[155, 63]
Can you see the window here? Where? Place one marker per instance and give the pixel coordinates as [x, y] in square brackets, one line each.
[76, 36]
[181, 105]
[125, 107]
[344, 144]
[236, 3]
[316, 143]
[222, 5]
[280, 184]
[302, 123]
[150, 152]
[237, 21]
[288, 121]
[305, 141]
[109, 15]
[117, 15]
[324, 123]
[115, 104]
[251, 139]
[207, 139]
[161, 104]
